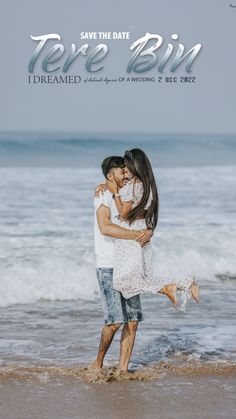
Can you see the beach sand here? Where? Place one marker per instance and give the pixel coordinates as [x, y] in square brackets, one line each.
[162, 391]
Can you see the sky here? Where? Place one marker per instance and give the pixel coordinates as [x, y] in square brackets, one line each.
[207, 106]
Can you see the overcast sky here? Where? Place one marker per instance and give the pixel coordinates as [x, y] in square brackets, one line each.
[208, 106]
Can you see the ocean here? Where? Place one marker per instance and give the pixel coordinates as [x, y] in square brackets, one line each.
[50, 307]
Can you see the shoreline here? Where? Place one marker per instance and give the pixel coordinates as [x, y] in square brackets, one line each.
[173, 366]
[171, 396]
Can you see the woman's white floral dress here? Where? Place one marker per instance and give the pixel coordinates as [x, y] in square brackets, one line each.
[133, 264]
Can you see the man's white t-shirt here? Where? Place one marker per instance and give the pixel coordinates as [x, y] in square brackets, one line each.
[104, 245]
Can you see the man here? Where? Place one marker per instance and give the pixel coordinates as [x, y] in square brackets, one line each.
[117, 309]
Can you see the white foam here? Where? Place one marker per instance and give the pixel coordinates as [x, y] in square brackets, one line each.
[54, 279]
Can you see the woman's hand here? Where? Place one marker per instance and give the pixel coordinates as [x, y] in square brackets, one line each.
[112, 186]
[144, 237]
[100, 189]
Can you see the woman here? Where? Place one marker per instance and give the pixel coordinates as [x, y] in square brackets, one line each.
[138, 206]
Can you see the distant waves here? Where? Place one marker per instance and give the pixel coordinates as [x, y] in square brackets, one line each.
[70, 151]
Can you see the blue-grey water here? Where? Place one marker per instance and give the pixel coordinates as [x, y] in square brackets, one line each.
[50, 308]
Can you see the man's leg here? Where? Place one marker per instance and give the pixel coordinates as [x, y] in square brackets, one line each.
[132, 311]
[127, 343]
[113, 313]
[107, 335]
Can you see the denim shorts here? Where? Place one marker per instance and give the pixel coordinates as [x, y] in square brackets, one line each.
[116, 308]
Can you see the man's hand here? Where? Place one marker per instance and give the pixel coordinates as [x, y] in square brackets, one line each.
[100, 188]
[114, 230]
[144, 237]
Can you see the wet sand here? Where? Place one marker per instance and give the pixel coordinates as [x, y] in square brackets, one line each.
[203, 393]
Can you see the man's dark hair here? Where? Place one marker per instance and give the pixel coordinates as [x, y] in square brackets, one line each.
[112, 162]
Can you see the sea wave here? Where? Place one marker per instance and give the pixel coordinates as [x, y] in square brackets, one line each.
[61, 278]
[46, 230]
[52, 279]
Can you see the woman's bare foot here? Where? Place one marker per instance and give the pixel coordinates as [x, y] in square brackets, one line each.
[170, 292]
[195, 291]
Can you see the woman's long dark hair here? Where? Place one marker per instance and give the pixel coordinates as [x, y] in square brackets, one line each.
[139, 165]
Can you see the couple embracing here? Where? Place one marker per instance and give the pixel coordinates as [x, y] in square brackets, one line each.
[126, 215]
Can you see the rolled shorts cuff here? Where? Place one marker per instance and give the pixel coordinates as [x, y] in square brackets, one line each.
[116, 308]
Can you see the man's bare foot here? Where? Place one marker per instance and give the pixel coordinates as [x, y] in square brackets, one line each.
[195, 291]
[120, 373]
[95, 366]
[170, 292]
